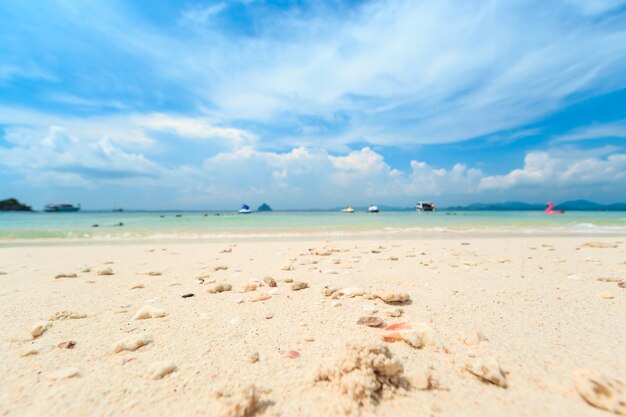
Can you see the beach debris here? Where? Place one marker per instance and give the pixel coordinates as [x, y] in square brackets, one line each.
[371, 321]
[601, 391]
[217, 288]
[239, 300]
[249, 286]
[349, 292]
[600, 245]
[487, 369]
[328, 290]
[366, 373]
[220, 268]
[336, 303]
[288, 267]
[67, 345]
[132, 343]
[393, 258]
[416, 335]
[393, 312]
[226, 250]
[391, 297]
[66, 315]
[289, 354]
[261, 297]
[190, 294]
[609, 279]
[270, 281]
[32, 350]
[154, 273]
[149, 312]
[299, 285]
[39, 328]
[287, 280]
[242, 403]
[85, 269]
[64, 373]
[426, 380]
[65, 275]
[160, 369]
[322, 253]
[105, 271]
[253, 357]
[622, 284]
[136, 286]
[329, 271]
[607, 296]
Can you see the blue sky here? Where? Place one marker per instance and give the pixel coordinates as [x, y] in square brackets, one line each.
[210, 104]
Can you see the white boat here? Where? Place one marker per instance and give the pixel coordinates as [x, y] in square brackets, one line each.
[61, 208]
[348, 209]
[245, 209]
[373, 209]
[425, 206]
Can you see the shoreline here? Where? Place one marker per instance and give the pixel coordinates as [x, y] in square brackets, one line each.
[161, 237]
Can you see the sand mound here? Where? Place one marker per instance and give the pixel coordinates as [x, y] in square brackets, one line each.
[365, 372]
[244, 403]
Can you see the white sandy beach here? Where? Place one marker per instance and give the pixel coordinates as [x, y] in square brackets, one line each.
[542, 317]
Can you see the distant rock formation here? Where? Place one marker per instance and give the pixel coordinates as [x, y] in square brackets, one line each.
[264, 207]
[11, 204]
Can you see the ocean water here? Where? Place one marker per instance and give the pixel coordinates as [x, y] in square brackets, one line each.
[164, 225]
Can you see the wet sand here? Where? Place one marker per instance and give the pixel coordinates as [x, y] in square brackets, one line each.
[498, 326]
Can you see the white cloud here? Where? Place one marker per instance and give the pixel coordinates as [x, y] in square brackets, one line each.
[598, 131]
[543, 169]
[300, 177]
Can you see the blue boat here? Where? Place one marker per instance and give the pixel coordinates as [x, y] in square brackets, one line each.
[245, 209]
[61, 208]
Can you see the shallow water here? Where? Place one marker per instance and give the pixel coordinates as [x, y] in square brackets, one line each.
[48, 226]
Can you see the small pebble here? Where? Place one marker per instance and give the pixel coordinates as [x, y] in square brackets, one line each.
[601, 391]
[136, 285]
[371, 321]
[270, 281]
[487, 369]
[253, 357]
[67, 345]
[39, 328]
[160, 369]
[66, 276]
[105, 271]
[299, 285]
[249, 286]
[188, 295]
[149, 312]
[217, 288]
[132, 343]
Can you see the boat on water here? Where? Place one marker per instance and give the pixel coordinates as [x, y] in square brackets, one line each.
[373, 209]
[425, 206]
[61, 208]
[348, 209]
[245, 209]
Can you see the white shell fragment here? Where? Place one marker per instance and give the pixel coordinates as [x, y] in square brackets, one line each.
[132, 343]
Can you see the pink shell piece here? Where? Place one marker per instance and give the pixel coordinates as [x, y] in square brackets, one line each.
[289, 354]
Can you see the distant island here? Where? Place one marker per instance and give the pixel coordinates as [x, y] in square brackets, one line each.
[264, 207]
[576, 205]
[12, 204]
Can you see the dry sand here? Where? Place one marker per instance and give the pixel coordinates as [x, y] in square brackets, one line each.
[535, 316]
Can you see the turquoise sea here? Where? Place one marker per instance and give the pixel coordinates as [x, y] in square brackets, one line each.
[214, 225]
